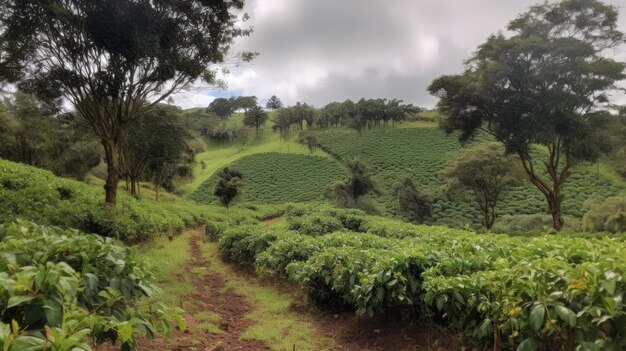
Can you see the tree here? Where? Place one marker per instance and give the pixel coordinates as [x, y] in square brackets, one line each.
[222, 107]
[546, 84]
[309, 139]
[228, 185]
[413, 206]
[115, 60]
[255, 117]
[157, 145]
[274, 103]
[353, 192]
[487, 173]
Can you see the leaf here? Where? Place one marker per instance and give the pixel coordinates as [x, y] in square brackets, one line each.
[54, 311]
[124, 331]
[566, 315]
[28, 343]
[537, 315]
[528, 344]
[19, 300]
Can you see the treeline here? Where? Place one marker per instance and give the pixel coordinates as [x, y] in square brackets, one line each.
[213, 121]
[156, 147]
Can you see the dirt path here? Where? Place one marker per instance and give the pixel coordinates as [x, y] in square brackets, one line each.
[210, 295]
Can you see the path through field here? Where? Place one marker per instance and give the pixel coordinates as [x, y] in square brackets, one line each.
[229, 308]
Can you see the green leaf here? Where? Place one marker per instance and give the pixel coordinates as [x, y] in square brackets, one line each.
[28, 343]
[54, 311]
[124, 331]
[537, 315]
[19, 300]
[528, 344]
[566, 315]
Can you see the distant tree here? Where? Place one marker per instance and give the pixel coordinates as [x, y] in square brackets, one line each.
[487, 173]
[305, 113]
[244, 103]
[255, 117]
[353, 192]
[157, 146]
[228, 185]
[274, 103]
[309, 139]
[548, 84]
[413, 206]
[243, 136]
[114, 60]
[222, 107]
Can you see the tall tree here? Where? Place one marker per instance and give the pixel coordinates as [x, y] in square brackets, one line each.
[274, 103]
[157, 144]
[222, 107]
[354, 190]
[255, 117]
[113, 60]
[413, 206]
[548, 84]
[309, 139]
[228, 185]
[487, 174]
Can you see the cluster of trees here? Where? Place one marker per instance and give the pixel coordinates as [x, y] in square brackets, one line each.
[365, 113]
[223, 107]
[114, 61]
[547, 84]
[35, 135]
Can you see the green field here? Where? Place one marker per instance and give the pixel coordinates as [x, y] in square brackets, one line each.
[422, 153]
[278, 178]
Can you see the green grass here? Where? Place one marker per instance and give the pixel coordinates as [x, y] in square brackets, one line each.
[278, 178]
[422, 153]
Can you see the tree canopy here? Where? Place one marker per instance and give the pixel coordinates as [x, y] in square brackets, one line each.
[274, 103]
[255, 117]
[113, 60]
[548, 83]
[227, 188]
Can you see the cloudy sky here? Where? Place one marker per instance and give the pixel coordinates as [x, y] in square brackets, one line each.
[318, 51]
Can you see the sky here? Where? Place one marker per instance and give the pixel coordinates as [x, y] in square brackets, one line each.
[319, 51]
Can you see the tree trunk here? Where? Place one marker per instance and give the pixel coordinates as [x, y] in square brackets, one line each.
[554, 204]
[133, 186]
[111, 152]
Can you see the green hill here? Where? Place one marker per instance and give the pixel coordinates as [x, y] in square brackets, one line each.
[278, 178]
[422, 153]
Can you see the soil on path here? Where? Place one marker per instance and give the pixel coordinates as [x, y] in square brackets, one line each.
[209, 295]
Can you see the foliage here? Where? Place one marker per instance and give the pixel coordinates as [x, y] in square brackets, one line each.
[315, 225]
[309, 139]
[552, 291]
[33, 135]
[413, 206]
[61, 288]
[148, 51]
[255, 117]
[37, 195]
[557, 56]
[352, 192]
[606, 214]
[487, 173]
[273, 178]
[422, 154]
[227, 188]
[274, 103]
[224, 107]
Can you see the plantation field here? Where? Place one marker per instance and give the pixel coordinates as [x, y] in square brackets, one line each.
[532, 293]
[422, 153]
[278, 178]
[37, 195]
[220, 154]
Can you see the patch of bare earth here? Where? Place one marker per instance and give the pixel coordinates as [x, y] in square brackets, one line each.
[208, 295]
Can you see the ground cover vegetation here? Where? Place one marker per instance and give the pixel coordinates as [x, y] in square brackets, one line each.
[546, 292]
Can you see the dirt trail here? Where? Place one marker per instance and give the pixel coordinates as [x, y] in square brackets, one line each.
[209, 295]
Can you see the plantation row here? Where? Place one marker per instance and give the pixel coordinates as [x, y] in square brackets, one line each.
[422, 154]
[66, 290]
[278, 178]
[540, 293]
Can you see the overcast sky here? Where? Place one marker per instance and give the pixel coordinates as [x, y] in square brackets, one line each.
[319, 51]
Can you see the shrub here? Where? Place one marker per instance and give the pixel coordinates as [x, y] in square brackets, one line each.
[315, 225]
[606, 214]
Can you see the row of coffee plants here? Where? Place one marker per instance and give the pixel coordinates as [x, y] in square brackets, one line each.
[519, 293]
[65, 290]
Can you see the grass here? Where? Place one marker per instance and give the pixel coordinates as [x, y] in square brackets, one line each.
[270, 178]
